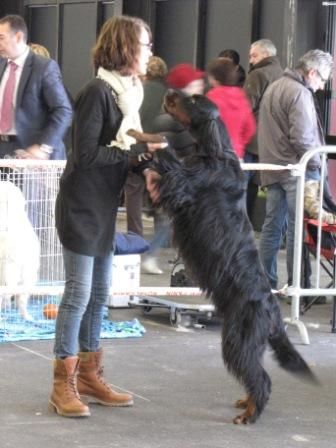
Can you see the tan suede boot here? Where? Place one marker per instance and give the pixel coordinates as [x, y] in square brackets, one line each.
[92, 386]
[64, 397]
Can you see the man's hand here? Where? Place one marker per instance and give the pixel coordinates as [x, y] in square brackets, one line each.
[32, 152]
[152, 184]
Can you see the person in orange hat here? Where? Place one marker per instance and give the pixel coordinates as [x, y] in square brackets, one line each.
[189, 80]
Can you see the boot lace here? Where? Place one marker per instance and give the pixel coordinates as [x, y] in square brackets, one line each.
[72, 386]
[100, 374]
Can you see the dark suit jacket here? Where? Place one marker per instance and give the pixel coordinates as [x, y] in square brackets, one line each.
[43, 111]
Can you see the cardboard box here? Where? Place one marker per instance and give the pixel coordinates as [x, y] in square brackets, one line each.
[125, 275]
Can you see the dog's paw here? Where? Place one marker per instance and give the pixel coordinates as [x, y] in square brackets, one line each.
[241, 419]
[249, 415]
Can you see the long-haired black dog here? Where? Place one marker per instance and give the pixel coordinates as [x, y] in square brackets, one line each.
[205, 199]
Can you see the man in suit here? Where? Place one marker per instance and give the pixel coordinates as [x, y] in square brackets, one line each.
[40, 113]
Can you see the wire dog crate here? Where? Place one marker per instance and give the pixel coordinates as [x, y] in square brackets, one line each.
[30, 252]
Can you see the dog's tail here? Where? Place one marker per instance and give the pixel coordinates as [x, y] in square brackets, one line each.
[285, 353]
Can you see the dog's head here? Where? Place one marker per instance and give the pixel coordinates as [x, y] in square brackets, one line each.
[201, 116]
[191, 111]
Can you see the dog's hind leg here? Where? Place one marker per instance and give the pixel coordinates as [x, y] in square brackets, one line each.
[243, 346]
[258, 386]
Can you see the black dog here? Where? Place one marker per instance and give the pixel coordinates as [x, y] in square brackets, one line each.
[205, 198]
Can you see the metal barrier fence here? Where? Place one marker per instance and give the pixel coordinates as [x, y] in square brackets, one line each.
[38, 182]
[296, 291]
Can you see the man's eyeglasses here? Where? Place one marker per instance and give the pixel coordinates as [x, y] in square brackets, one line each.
[324, 80]
[149, 45]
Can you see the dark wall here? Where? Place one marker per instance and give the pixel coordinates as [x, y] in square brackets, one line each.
[11, 7]
[69, 29]
[220, 33]
[274, 29]
[183, 30]
[176, 31]
[311, 26]
[145, 9]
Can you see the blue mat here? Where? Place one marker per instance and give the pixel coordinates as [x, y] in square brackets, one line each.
[13, 329]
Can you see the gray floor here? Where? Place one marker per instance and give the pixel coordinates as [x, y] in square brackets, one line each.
[183, 395]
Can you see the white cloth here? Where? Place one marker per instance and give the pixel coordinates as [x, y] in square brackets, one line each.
[129, 93]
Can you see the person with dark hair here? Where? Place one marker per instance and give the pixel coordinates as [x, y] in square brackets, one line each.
[231, 54]
[86, 209]
[234, 107]
[235, 58]
[35, 111]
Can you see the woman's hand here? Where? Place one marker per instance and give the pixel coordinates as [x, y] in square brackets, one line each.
[153, 147]
[136, 160]
[152, 184]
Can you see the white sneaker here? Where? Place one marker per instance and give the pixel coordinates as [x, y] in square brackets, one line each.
[150, 266]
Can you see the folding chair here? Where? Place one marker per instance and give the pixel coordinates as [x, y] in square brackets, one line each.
[327, 258]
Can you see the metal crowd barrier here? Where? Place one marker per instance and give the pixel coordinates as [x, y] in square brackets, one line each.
[295, 291]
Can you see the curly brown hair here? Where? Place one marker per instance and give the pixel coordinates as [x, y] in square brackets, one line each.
[118, 45]
[40, 50]
[156, 68]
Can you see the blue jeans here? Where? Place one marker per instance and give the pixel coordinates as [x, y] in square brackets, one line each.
[80, 314]
[280, 205]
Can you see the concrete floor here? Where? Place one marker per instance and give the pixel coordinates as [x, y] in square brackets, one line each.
[183, 395]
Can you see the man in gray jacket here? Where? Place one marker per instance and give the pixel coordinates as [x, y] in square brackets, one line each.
[265, 69]
[289, 125]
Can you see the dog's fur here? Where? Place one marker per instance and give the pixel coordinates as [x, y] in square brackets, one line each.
[19, 246]
[205, 198]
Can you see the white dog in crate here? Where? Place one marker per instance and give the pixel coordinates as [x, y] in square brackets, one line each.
[19, 247]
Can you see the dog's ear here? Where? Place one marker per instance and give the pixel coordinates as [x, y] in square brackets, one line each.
[173, 104]
[171, 100]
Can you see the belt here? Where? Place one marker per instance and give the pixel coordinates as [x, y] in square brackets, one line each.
[7, 138]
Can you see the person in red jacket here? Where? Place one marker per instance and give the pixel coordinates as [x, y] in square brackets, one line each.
[233, 105]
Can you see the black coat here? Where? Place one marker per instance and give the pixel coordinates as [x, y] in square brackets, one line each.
[95, 174]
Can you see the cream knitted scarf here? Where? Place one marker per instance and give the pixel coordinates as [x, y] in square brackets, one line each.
[129, 92]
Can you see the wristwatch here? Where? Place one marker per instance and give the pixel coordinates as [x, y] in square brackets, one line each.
[46, 148]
